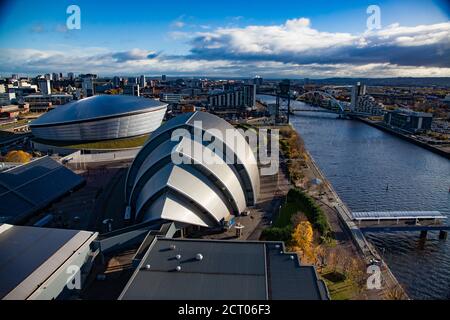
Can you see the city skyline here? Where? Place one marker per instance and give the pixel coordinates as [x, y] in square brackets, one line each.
[295, 40]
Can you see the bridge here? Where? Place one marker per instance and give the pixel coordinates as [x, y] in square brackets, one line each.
[391, 221]
[335, 107]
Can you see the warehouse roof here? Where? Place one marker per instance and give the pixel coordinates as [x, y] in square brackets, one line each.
[30, 187]
[188, 269]
[30, 255]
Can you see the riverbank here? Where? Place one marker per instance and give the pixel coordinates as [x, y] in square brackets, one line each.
[391, 288]
[406, 137]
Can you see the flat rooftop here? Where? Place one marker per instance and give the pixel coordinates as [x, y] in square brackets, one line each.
[30, 187]
[29, 256]
[244, 270]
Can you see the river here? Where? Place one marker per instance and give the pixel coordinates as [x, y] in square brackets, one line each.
[360, 161]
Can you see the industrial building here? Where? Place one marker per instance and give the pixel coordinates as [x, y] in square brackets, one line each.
[28, 188]
[38, 263]
[103, 117]
[188, 269]
[194, 192]
[408, 120]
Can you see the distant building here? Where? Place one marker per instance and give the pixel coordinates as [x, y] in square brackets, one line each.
[357, 91]
[258, 80]
[243, 96]
[14, 76]
[131, 89]
[56, 76]
[40, 102]
[172, 97]
[163, 77]
[132, 80]
[88, 87]
[142, 83]
[408, 120]
[44, 86]
[70, 76]
[7, 98]
[48, 76]
[116, 82]
[368, 104]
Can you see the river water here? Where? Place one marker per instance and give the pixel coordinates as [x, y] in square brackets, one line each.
[360, 161]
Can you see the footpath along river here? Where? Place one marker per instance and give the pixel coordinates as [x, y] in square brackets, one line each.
[360, 161]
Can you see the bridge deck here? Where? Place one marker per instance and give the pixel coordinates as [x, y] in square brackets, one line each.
[397, 215]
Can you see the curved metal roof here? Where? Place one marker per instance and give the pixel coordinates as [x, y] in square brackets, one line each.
[95, 107]
[208, 122]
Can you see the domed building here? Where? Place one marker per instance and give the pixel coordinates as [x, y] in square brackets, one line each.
[97, 118]
[195, 191]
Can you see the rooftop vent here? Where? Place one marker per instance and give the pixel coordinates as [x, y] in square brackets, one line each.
[178, 268]
[199, 256]
[147, 267]
[172, 247]
[178, 256]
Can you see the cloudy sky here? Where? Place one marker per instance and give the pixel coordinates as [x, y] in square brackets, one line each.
[233, 38]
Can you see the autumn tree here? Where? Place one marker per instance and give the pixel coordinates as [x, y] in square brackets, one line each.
[302, 239]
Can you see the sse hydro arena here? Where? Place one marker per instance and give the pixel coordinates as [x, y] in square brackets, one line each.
[99, 118]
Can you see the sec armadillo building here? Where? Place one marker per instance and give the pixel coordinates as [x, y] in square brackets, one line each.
[103, 117]
[195, 191]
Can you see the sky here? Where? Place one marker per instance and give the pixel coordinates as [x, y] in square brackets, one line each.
[233, 38]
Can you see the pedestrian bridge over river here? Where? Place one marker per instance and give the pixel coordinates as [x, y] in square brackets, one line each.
[389, 221]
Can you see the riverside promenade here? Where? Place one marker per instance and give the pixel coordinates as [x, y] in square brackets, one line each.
[367, 250]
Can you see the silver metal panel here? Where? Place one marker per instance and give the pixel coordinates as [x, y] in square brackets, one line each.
[97, 107]
[103, 129]
[209, 121]
[193, 185]
[219, 169]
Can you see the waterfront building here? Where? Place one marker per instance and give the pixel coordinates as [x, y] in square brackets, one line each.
[7, 98]
[408, 120]
[116, 81]
[44, 86]
[193, 191]
[357, 91]
[368, 104]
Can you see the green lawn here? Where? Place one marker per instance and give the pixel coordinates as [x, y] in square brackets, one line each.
[339, 288]
[107, 144]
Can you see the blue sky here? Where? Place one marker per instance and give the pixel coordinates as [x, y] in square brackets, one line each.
[230, 38]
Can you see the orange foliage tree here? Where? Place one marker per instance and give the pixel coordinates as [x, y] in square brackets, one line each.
[302, 239]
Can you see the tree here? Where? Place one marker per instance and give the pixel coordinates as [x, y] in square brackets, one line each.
[18, 156]
[302, 239]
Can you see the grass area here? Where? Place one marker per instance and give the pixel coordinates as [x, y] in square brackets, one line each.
[11, 125]
[297, 201]
[106, 144]
[340, 287]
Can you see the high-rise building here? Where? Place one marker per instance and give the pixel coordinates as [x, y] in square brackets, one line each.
[48, 76]
[71, 76]
[44, 86]
[87, 86]
[258, 80]
[116, 81]
[55, 76]
[15, 76]
[163, 77]
[131, 89]
[132, 80]
[357, 91]
[142, 83]
[234, 97]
